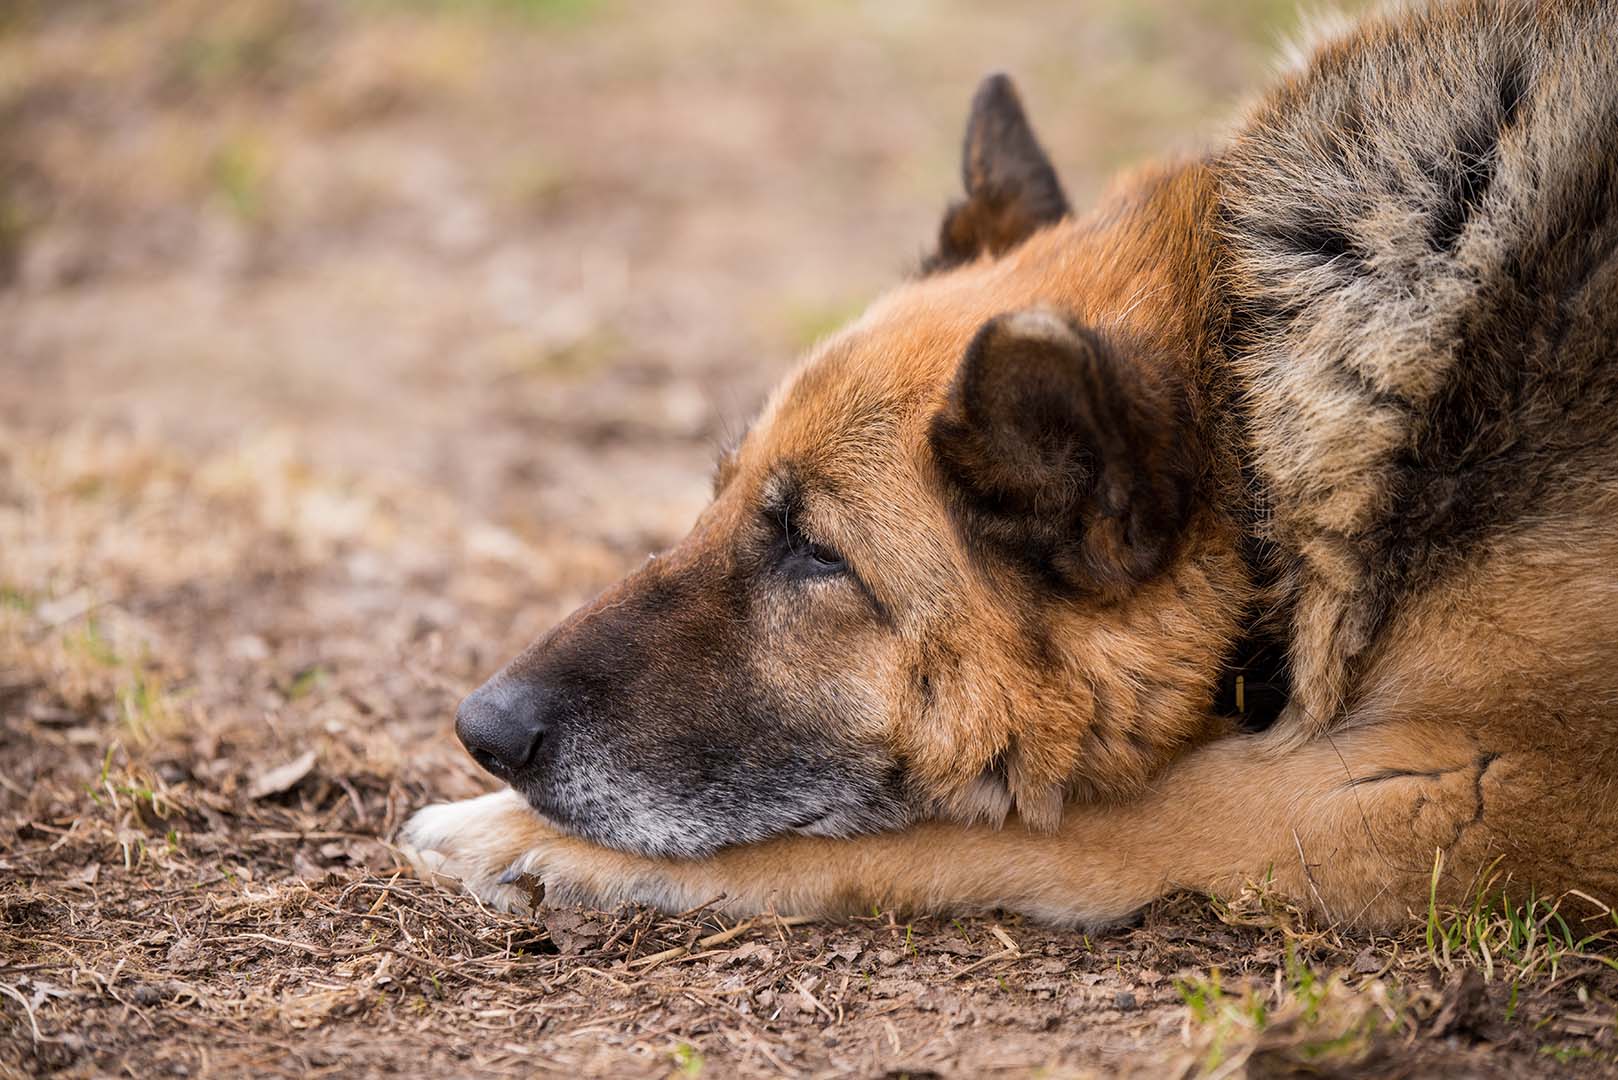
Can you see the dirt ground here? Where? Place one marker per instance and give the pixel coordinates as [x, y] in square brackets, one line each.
[345, 346]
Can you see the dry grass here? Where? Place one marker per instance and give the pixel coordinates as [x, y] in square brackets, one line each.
[347, 346]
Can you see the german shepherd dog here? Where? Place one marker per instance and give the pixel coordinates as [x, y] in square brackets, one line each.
[1261, 523]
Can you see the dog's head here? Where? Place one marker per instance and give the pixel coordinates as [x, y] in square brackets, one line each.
[963, 563]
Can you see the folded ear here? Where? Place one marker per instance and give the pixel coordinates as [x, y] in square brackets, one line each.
[1064, 456]
[1011, 188]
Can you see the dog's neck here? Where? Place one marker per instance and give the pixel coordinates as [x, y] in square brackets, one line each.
[1156, 260]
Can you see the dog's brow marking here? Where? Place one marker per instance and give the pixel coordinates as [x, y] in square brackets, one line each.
[777, 492]
[778, 496]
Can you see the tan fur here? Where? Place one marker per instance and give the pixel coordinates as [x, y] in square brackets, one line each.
[863, 427]
[1067, 744]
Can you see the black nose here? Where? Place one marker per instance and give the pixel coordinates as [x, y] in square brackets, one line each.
[501, 723]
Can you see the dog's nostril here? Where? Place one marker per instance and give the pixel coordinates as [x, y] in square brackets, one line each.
[501, 725]
[490, 764]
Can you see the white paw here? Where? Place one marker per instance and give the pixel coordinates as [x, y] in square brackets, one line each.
[475, 844]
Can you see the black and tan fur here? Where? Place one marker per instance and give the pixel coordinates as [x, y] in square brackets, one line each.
[1333, 408]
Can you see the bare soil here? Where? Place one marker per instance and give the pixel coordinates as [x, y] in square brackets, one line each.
[344, 347]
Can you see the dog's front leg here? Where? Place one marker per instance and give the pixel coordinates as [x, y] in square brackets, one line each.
[1100, 865]
[498, 849]
[1349, 826]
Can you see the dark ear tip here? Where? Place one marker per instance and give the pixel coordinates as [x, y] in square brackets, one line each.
[996, 84]
[996, 95]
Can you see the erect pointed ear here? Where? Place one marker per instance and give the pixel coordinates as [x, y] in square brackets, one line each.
[1064, 456]
[1011, 188]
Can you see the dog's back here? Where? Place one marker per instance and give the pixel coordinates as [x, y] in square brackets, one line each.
[1423, 269]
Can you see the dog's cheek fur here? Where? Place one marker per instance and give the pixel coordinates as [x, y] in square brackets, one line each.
[996, 714]
[824, 660]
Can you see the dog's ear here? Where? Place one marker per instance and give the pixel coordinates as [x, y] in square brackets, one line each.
[1011, 188]
[1064, 456]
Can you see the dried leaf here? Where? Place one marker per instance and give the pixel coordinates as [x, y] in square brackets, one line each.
[282, 778]
[85, 876]
[754, 952]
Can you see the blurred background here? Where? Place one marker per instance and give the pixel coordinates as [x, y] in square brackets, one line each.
[535, 253]
[340, 338]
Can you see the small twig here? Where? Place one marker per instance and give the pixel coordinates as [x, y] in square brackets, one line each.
[634, 942]
[283, 835]
[382, 897]
[688, 912]
[456, 972]
[27, 1009]
[369, 950]
[312, 950]
[360, 816]
[1010, 952]
[810, 997]
[715, 939]
[581, 969]
[618, 934]
[1309, 876]
[1004, 954]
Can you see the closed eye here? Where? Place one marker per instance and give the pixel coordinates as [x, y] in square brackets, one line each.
[798, 556]
[813, 560]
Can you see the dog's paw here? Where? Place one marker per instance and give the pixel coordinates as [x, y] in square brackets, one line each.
[485, 845]
[496, 848]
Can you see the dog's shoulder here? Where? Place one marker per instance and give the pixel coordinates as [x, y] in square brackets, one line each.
[1406, 215]
[1420, 228]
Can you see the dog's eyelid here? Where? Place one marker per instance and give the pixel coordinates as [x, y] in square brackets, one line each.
[784, 512]
[787, 524]
[797, 544]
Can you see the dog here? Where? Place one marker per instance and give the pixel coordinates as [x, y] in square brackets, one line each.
[1259, 524]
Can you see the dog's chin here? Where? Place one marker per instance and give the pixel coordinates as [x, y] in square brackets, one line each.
[677, 830]
[646, 828]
